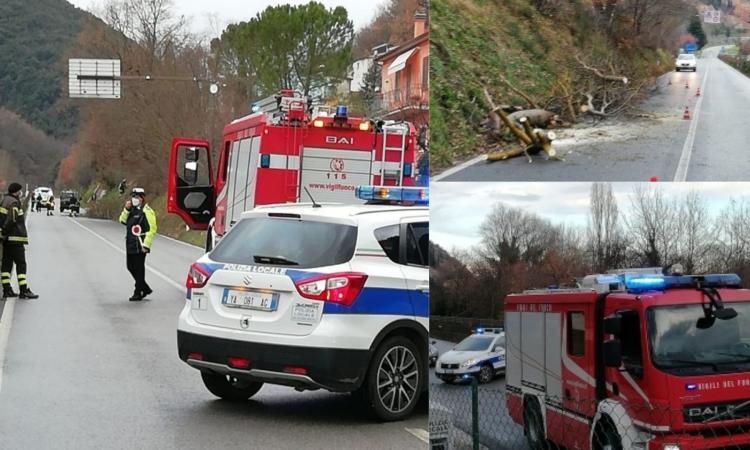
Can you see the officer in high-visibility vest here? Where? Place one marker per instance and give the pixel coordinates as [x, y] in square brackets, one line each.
[14, 238]
[140, 223]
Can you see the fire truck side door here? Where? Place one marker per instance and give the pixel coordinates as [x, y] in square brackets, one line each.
[190, 190]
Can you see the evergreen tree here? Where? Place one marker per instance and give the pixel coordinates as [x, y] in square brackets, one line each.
[371, 88]
[696, 29]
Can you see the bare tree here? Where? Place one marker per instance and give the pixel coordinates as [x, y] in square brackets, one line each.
[694, 238]
[604, 237]
[150, 23]
[653, 226]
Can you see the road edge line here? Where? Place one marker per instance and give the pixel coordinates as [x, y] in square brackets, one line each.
[5, 323]
[419, 433]
[687, 149]
[173, 283]
[458, 168]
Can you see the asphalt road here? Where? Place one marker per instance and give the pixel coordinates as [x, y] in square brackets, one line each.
[712, 146]
[85, 368]
[497, 431]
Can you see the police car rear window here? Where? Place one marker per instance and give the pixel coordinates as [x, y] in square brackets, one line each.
[287, 242]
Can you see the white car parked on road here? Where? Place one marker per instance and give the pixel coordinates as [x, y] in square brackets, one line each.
[331, 297]
[686, 61]
[481, 355]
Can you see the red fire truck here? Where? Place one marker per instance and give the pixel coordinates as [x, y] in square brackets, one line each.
[283, 153]
[632, 361]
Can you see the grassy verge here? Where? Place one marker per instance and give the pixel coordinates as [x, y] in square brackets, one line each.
[738, 63]
[110, 206]
[474, 40]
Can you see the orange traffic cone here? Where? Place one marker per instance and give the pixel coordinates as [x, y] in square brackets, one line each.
[698, 94]
[686, 114]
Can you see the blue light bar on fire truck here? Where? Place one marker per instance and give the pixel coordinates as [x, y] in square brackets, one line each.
[650, 282]
[414, 195]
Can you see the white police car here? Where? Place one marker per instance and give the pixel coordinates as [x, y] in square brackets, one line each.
[482, 355]
[331, 297]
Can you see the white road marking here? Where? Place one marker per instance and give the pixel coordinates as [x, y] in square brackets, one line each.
[459, 168]
[179, 242]
[419, 433]
[176, 285]
[687, 149]
[5, 322]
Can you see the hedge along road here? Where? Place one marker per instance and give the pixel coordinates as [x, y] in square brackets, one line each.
[85, 368]
[711, 146]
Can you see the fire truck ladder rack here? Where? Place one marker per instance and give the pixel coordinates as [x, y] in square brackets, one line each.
[558, 291]
[401, 130]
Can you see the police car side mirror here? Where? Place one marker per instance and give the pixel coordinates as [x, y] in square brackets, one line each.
[613, 353]
[497, 348]
[613, 325]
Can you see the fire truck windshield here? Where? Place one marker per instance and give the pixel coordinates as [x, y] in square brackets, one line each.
[680, 347]
[474, 344]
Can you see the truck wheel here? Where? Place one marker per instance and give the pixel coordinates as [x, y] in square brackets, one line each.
[533, 426]
[486, 374]
[606, 438]
[394, 379]
[230, 388]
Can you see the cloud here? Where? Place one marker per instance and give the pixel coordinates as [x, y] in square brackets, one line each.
[458, 209]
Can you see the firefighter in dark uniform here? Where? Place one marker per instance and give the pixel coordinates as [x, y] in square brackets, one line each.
[14, 238]
[140, 224]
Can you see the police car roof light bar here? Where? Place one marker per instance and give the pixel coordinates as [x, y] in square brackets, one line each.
[414, 195]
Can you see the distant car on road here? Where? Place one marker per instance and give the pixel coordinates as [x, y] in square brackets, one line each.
[481, 355]
[70, 200]
[686, 61]
[315, 296]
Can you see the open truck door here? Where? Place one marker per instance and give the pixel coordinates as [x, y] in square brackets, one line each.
[191, 183]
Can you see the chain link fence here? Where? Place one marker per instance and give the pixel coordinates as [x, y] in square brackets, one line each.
[471, 416]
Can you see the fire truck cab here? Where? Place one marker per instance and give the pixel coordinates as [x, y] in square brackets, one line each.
[281, 153]
[639, 361]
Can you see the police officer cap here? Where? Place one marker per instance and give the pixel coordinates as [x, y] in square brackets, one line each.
[14, 187]
[138, 191]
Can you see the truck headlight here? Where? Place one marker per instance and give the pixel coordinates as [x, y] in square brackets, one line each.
[469, 363]
[671, 447]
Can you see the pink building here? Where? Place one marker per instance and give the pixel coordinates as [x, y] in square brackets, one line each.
[405, 77]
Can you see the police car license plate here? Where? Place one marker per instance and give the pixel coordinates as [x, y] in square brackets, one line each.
[262, 301]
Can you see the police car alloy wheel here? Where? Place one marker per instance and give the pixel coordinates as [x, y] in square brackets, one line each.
[486, 373]
[395, 379]
[228, 387]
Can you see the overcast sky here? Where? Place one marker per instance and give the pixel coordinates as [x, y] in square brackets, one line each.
[458, 209]
[205, 15]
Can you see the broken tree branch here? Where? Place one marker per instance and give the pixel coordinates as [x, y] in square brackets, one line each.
[518, 91]
[498, 113]
[600, 74]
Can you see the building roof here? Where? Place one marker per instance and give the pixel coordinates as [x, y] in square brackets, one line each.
[413, 43]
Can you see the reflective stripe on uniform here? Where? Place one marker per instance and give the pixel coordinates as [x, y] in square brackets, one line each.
[5, 277]
[22, 282]
[3, 210]
[18, 239]
[21, 276]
